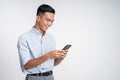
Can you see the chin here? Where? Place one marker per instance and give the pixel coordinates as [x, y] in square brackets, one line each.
[44, 30]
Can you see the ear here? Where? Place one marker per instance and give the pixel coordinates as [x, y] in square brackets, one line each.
[38, 18]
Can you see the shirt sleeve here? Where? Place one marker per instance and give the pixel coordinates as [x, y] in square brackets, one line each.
[24, 51]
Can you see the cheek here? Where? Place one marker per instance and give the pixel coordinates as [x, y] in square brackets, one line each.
[42, 23]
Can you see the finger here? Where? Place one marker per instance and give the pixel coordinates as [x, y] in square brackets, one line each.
[65, 51]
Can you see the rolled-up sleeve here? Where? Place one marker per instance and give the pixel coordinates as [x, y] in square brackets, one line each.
[23, 50]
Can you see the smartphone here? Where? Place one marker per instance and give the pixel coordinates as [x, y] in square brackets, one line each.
[67, 47]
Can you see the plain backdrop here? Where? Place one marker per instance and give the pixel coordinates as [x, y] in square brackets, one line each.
[91, 26]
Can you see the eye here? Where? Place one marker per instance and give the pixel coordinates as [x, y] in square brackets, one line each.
[49, 20]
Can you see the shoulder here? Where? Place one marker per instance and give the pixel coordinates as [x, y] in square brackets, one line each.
[24, 36]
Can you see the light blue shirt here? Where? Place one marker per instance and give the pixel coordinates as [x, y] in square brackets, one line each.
[31, 45]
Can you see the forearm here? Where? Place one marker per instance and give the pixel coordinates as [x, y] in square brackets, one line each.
[35, 62]
[56, 54]
[58, 61]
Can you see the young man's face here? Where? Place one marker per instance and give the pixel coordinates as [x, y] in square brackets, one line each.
[45, 21]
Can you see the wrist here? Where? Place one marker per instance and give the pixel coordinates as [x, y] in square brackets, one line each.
[48, 55]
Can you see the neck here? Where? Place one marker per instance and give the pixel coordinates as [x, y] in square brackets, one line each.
[41, 32]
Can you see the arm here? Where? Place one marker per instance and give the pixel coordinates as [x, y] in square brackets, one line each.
[24, 54]
[59, 60]
[35, 62]
[58, 54]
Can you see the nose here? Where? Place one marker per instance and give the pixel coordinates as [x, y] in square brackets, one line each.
[50, 23]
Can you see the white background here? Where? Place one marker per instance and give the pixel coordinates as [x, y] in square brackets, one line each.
[91, 26]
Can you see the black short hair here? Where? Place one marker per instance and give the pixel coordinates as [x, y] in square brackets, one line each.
[45, 8]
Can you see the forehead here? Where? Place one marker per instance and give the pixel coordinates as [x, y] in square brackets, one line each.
[49, 15]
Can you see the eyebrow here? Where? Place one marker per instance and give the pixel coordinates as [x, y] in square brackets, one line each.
[49, 19]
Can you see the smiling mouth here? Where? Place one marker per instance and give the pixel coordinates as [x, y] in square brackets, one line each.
[46, 27]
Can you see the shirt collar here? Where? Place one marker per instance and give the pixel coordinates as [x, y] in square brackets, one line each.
[36, 31]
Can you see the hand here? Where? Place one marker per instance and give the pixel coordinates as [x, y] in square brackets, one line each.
[57, 54]
[64, 52]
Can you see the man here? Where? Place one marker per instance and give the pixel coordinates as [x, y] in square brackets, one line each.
[36, 47]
